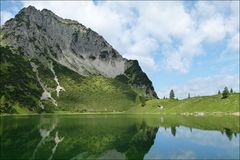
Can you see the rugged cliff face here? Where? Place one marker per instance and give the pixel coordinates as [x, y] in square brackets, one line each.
[44, 38]
[43, 34]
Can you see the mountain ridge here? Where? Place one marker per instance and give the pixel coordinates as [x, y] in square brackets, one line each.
[51, 40]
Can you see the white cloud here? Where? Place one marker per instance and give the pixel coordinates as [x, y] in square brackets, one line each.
[203, 9]
[203, 86]
[141, 50]
[177, 62]
[212, 29]
[210, 25]
[5, 15]
[233, 44]
[232, 21]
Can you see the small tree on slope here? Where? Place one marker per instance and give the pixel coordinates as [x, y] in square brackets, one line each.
[225, 93]
[171, 95]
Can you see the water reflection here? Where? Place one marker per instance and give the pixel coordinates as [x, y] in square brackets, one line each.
[46, 126]
[44, 133]
[119, 137]
[195, 144]
[173, 130]
[57, 140]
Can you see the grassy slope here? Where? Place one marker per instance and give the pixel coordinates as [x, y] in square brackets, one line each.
[208, 104]
[95, 93]
[92, 93]
[21, 92]
[18, 85]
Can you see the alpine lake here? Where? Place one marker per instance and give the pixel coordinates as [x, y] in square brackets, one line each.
[115, 136]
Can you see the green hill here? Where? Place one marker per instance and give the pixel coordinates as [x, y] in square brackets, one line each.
[207, 104]
[21, 90]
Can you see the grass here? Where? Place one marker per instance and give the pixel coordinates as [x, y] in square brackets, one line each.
[93, 93]
[207, 104]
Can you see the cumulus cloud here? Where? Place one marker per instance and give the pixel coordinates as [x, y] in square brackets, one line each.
[233, 44]
[203, 86]
[5, 15]
[209, 25]
[212, 29]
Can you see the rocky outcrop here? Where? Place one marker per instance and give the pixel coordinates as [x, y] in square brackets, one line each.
[44, 35]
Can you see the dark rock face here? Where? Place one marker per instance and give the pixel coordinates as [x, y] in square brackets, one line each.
[138, 78]
[44, 35]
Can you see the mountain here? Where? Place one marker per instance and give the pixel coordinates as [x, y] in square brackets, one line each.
[49, 63]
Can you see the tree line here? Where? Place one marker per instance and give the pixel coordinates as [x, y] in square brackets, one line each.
[225, 93]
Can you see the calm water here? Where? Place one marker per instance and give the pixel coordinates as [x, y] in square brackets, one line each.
[119, 137]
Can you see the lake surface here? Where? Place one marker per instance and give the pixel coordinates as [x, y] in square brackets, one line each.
[119, 137]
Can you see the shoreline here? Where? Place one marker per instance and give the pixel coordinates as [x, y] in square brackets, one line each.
[129, 113]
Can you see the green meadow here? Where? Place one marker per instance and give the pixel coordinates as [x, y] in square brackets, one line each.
[207, 104]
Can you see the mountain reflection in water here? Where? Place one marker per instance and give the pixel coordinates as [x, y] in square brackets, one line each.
[119, 137]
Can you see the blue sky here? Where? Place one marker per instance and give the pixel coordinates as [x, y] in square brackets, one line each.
[191, 47]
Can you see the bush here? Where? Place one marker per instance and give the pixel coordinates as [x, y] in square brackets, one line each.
[5, 106]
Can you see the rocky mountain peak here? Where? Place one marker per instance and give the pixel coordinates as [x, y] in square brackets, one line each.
[46, 36]
[30, 9]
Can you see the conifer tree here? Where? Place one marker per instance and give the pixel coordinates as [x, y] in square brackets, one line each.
[225, 93]
[171, 95]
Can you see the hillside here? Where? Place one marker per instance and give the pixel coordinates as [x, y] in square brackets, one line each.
[22, 92]
[198, 105]
[53, 64]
